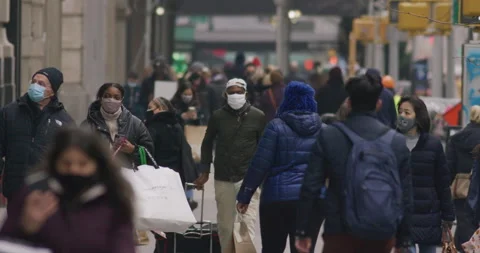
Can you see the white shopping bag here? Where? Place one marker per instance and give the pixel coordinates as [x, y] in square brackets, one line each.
[160, 201]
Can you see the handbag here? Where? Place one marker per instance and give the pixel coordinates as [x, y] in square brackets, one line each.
[448, 246]
[473, 245]
[460, 185]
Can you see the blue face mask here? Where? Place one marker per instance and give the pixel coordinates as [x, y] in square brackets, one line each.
[36, 92]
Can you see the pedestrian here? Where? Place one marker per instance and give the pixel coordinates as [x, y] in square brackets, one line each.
[132, 96]
[116, 125]
[272, 96]
[387, 112]
[186, 104]
[27, 127]
[460, 161]
[235, 130]
[171, 147]
[279, 163]
[331, 96]
[160, 72]
[344, 154]
[76, 202]
[432, 201]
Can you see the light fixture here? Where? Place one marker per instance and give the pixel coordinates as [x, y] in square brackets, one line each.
[294, 14]
[160, 11]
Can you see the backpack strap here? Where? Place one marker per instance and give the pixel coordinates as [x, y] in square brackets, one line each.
[388, 136]
[355, 138]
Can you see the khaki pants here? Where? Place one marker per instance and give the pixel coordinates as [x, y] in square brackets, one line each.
[226, 198]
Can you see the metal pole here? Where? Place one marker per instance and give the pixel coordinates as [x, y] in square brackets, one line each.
[282, 28]
[451, 87]
[393, 59]
[168, 30]
[370, 47]
[148, 32]
[437, 67]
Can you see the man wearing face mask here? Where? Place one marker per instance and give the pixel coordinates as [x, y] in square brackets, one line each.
[235, 129]
[28, 125]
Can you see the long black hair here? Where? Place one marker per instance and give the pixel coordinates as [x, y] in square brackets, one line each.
[119, 190]
[421, 112]
[105, 86]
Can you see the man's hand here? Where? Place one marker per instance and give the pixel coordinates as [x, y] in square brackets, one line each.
[242, 208]
[201, 180]
[303, 245]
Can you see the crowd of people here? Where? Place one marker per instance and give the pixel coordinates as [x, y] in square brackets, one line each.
[352, 156]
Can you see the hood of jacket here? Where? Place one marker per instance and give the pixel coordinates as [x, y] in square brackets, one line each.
[302, 123]
[467, 139]
[165, 117]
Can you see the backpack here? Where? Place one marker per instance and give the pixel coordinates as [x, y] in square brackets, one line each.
[372, 187]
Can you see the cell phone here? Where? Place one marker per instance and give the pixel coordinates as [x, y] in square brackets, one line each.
[118, 140]
[192, 109]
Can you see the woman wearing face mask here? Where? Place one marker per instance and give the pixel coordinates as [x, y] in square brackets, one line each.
[171, 147]
[77, 202]
[433, 206]
[115, 123]
[186, 104]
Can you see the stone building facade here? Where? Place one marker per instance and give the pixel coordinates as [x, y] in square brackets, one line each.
[86, 39]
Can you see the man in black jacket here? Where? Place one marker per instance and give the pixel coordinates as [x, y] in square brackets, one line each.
[329, 160]
[27, 127]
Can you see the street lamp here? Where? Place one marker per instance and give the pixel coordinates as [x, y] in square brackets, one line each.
[294, 15]
[160, 11]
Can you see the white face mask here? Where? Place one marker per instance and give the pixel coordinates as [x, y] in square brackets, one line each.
[236, 101]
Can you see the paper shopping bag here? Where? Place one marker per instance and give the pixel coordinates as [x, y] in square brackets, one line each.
[160, 201]
[242, 239]
[473, 245]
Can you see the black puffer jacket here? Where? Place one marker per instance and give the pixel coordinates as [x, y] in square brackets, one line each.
[171, 147]
[128, 125]
[25, 133]
[431, 190]
[459, 149]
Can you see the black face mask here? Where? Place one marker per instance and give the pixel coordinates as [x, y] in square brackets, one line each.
[74, 185]
[149, 115]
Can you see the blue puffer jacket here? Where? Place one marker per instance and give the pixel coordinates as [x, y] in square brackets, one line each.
[431, 190]
[282, 157]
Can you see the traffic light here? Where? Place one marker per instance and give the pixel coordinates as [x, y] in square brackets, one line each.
[413, 17]
[443, 14]
[364, 29]
[471, 8]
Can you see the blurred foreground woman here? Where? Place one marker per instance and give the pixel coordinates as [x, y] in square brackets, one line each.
[78, 202]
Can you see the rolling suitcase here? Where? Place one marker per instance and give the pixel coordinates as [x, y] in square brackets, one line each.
[199, 238]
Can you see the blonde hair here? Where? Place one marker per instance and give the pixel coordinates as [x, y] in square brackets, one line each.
[475, 114]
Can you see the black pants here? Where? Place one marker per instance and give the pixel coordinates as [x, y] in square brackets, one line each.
[278, 220]
[465, 225]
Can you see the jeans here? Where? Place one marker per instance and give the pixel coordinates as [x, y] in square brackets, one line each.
[278, 220]
[465, 225]
[189, 194]
[422, 248]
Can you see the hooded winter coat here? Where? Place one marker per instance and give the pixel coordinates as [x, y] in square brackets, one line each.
[129, 127]
[331, 97]
[284, 150]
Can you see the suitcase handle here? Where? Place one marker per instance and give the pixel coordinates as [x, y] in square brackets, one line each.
[187, 185]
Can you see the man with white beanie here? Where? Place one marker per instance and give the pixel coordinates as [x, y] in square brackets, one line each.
[236, 129]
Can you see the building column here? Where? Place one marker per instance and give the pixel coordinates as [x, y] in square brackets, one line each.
[7, 58]
[283, 32]
[33, 40]
[53, 30]
[437, 67]
[73, 93]
[393, 59]
[121, 40]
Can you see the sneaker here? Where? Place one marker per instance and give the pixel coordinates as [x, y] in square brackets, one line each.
[193, 204]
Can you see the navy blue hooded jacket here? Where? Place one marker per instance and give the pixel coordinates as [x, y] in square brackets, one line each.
[283, 152]
[388, 113]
